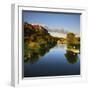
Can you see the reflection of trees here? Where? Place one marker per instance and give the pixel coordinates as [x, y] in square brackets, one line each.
[72, 53]
[71, 57]
[33, 54]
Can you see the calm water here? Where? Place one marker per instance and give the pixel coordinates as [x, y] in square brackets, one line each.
[57, 61]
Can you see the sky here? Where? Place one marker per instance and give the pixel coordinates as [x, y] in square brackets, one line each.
[69, 22]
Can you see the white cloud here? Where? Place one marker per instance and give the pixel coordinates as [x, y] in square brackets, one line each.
[56, 34]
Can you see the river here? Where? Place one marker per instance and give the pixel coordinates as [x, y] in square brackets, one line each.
[57, 62]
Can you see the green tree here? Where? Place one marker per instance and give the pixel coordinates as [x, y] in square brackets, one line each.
[70, 38]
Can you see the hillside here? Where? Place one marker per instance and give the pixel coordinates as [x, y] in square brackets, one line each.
[37, 41]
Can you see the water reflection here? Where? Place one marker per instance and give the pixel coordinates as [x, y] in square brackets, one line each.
[52, 61]
[34, 55]
[72, 52]
[71, 57]
[63, 46]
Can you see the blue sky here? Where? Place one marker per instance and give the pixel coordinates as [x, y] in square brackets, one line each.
[67, 21]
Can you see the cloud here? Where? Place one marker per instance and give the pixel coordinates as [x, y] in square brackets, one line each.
[59, 30]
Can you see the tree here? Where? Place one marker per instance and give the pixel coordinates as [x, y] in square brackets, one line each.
[70, 38]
